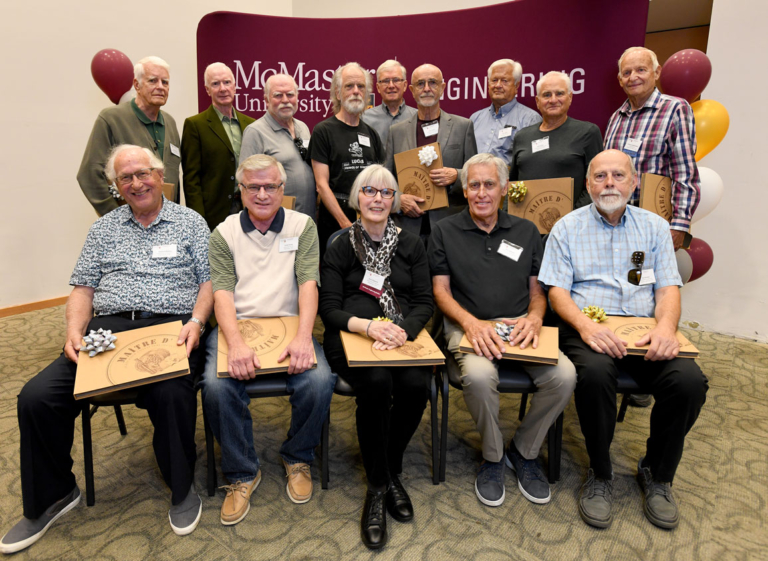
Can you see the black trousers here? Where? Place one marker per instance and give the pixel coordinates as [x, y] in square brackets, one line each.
[390, 403]
[679, 389]
[47, 411]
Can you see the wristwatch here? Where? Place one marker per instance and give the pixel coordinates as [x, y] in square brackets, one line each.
[198, 322]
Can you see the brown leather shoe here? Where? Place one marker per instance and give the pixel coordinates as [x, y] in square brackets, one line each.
[299, 485]
[237, 503]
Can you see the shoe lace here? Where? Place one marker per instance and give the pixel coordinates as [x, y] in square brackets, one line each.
[238, 485]
[601, 487]
[532, 471]
[396, 490]
[376, 509]
[664, 489]
[297, 469]
[490, 471]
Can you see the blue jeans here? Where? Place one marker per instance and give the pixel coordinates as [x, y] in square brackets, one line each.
[226, 407]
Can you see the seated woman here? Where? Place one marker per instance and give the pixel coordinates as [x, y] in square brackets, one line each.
[390, 401]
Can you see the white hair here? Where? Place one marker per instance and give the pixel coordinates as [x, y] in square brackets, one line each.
[654, 59]
[138, 68]
[391, 65]
[336, 85]
[517, 69]
[109, 167]
[268, 84]
[213, 67]
[260, 162]
[554, 74]
[502, 171]
[375, 175]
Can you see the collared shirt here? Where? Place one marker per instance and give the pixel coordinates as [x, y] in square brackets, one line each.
[490, 127]
[592, 259]
[157, 268]
[232, 128]
[381, 119]
[156, 129]
[665, 127]
[485, 281]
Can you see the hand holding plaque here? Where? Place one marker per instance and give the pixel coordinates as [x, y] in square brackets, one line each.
[413, 176]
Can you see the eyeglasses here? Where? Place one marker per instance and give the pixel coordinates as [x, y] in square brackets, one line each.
[388, 81]
[475, 185]
[385, 193]
[269, 188]
[299, 143]
[634, 275]
[433, 84]
[502, 81]
[127, 178]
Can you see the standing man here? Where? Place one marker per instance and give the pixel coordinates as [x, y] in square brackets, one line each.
[455, 136]
[496, 126]
[484, 265]
[559, 146]
[341, 146]
[139, 122]
[280, 135]
[210, 149]
[264, 263]
[391, 81]
[658, 132]
[591, 260]
[108, 293]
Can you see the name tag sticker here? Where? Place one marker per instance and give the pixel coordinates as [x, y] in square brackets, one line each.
[163, 251]
[305, 142]
[364, 140]
[647, 276]
[289, 244]
[540, 144]
[506, 132]
[175, 151]
[632, 145]
[431, 130]
[372, 284]
[510, 250]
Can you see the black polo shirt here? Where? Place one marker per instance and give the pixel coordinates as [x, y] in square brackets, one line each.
[486, 283]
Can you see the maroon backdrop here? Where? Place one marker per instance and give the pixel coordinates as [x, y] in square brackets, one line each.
[583, 39]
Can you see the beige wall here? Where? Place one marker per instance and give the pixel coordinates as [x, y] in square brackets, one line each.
[50, 102]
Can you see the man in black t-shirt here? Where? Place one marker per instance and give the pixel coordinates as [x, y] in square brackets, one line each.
[341, 147]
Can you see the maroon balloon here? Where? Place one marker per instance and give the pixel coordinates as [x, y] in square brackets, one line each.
[701, 257]
[685, 74]
[113, 73]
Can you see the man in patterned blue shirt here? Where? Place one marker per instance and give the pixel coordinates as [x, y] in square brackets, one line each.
[144, 263]
[589, 261]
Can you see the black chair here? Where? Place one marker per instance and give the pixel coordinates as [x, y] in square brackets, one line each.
[626, 386]
[512, 379]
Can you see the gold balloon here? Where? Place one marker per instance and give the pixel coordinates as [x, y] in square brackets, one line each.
[712, 123]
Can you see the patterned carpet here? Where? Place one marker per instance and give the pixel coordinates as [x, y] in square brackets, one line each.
[721, 486]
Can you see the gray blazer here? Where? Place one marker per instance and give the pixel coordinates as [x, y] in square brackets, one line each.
[456, 138]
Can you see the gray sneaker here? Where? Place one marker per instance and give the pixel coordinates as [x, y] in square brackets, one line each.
[658, 503]
[595, 501]
[531, 480]
[489, 485]
[185, 515]
[26, 532]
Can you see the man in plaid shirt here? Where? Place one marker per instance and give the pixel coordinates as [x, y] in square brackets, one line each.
[657, 131]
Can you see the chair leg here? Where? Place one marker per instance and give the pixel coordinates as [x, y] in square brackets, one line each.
[211, 457]
[324, 449]
[523, 405]
[623, 408]
[90, 497]
[120, 420]
[435, 433]
[559, 445]
[444, 425]
[551, 452]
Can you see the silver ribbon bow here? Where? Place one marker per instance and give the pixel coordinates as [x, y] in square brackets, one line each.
[99, 341]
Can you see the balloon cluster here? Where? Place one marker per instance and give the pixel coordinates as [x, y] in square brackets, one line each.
[685, 75]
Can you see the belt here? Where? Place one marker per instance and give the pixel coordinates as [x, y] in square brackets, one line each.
[137, 314]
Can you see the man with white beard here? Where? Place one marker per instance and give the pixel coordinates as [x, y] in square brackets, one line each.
[621, 258]
[341, 147]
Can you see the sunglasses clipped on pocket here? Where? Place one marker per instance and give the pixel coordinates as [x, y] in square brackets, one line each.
[634, 275]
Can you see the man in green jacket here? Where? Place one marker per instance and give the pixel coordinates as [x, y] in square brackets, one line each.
[210, 150]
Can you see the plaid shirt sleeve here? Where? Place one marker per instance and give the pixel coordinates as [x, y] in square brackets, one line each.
[556, 267]
[686, 184]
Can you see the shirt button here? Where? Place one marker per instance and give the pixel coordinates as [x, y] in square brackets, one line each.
[232, 177]
[229, 196]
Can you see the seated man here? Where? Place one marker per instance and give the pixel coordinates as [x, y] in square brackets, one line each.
[107, 283]
[586, 263]
[264, 263]
[484, 265]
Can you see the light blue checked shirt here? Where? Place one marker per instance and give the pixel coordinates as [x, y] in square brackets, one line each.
[591, 259]
[488, 124]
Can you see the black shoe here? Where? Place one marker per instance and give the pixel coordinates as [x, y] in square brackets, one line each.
[398, 502]
[373, 524]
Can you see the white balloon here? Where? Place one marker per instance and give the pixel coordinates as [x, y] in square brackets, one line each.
[130, 94]
[684, 264]
[711, 193]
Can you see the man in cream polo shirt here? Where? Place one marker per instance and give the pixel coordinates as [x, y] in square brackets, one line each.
[264, 263]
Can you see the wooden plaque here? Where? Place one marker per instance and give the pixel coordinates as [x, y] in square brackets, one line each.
[547, 351]
[422, 351]
[656, 195]
[631, 329]
[140, 357]
[413, 178]
[547, 201]
[288, 202]
[268, 337]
